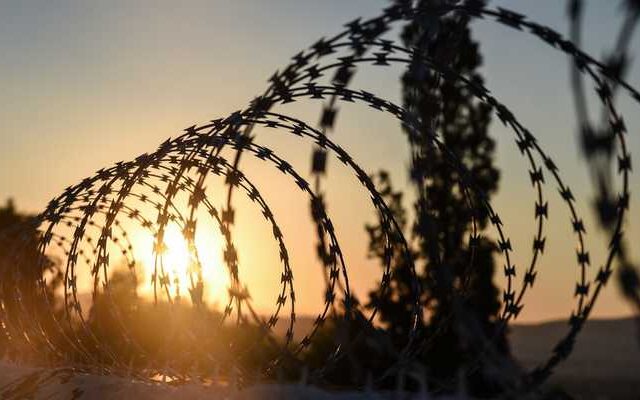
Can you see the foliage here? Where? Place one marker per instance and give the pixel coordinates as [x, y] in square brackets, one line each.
[20, 255]
[443, 210]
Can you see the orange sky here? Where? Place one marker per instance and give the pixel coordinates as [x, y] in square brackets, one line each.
[89, 84]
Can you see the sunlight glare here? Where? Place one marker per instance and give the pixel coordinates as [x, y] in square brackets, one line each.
[180, 265]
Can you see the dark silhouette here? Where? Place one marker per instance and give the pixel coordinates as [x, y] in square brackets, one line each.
[600, 146]
[21, 267]
[150, 335]
[443, 215]
[438, 307]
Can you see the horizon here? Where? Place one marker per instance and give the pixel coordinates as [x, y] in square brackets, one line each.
[90, 85]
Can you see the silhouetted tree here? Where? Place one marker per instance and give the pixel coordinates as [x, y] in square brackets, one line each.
[443, 215]
[395, 305]
[21, 266]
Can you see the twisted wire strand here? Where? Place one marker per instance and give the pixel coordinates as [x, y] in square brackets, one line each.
[86, 223]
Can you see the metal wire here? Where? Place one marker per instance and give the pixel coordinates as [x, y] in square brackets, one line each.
[90, 222]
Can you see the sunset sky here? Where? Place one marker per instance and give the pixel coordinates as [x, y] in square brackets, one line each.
[86, 84]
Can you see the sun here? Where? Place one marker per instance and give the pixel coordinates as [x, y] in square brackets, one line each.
[182, 266]
[180, 263]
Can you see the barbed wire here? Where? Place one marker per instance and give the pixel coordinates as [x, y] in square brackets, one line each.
[90, 223]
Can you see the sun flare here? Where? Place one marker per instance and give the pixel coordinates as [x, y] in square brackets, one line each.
[179, 267]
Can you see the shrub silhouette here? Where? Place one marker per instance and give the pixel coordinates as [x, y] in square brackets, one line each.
[24, 299]
[442, 214]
